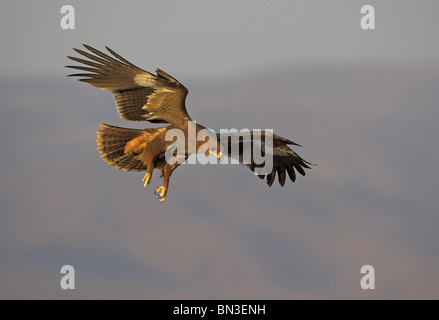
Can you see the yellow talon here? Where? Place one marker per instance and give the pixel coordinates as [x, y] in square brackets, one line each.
[160, 193]
[146, 178]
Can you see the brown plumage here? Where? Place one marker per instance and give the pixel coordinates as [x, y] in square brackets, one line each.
[285, 160]
[143, 96]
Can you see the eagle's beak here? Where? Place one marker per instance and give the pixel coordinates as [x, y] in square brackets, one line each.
[218, 155]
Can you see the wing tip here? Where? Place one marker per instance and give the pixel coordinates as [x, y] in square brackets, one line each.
[309, 163]
[287, 141]
[87, 46]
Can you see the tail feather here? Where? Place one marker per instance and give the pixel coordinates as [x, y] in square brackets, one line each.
[111, 143]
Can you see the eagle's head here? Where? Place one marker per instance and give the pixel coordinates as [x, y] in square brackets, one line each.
[208, 142]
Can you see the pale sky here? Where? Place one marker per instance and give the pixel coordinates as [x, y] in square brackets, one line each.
[212, 39]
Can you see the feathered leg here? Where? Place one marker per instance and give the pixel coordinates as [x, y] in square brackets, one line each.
[149, 157]
[161, 191]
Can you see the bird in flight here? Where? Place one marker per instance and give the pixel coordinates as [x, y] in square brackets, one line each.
[160, 98]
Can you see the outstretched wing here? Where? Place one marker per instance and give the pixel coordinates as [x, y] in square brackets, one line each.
[261, 146]
[139, 95]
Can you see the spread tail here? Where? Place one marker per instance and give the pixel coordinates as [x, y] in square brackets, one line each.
[111, 143]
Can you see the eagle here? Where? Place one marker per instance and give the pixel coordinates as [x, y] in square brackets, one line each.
[159, 98]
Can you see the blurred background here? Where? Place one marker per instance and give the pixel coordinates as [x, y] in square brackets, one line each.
[363, 103]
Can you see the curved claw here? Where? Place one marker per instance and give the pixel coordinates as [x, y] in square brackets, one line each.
[147, 179]
[160, 193]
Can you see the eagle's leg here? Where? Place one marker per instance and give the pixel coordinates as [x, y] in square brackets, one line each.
[161, 191]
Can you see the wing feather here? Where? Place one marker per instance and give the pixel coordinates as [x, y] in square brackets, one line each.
[138, 94]
[285, 160]
[270, 178]
[281, 175]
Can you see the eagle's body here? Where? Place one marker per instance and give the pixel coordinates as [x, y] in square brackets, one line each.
[142, 96]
